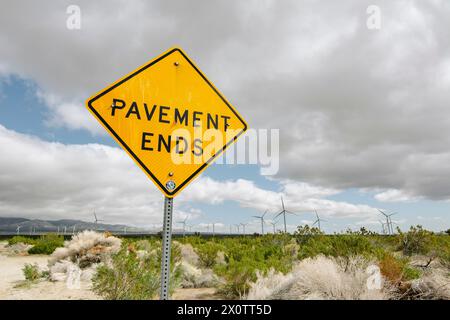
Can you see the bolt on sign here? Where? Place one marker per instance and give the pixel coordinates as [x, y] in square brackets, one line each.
[169, 118]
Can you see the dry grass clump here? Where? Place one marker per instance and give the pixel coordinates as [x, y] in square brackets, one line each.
[80, 256]
[188, 254]
[194, 275]
[320, 278]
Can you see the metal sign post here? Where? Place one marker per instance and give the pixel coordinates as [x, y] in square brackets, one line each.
[166, 241]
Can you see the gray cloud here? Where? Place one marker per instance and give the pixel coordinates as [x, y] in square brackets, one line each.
[356, 107]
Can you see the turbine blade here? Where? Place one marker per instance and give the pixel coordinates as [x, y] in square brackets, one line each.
[279, 214]
[394, 213]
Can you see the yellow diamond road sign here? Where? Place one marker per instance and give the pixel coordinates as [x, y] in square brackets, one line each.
[169, 118]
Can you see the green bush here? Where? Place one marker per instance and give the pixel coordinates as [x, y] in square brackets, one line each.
[410, 273]
[245, 256]
[21, 239]
[31, 272]
[207, 254]
[129, 276]
[46, 244]
[416, 241]
[342, 245]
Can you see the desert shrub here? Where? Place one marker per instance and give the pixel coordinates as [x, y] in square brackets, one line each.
[416, 241]
[31, 272]
[391, 268]
[46, 244]
[244, 257]
[127, 277]
[348, 245]
[397, 269]
[21, 239]
[131, 276]
[343, 245]
[411, 273]
[207, 254]
[237, 275]
[304, 233]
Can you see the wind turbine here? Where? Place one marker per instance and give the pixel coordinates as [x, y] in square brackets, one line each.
[262, 221]
[318, 220]
[214, 225]
[243, 226]
[238, 226]
[283, 212]
[388, 220]
[273, 223]
[184, 226]
[18, 229]
[96, 220]
[73, 229]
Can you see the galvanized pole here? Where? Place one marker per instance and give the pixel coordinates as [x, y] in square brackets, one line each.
[167, 238]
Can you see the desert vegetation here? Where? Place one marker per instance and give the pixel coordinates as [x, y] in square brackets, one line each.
[308, 264]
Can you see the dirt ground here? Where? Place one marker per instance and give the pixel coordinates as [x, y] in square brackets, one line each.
[14, 287]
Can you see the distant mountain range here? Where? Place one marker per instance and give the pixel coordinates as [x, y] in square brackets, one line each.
[9, 225]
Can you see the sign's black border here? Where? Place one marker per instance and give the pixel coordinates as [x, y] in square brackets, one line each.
[170, 193]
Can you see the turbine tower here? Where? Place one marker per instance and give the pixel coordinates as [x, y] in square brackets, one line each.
[18, 229]
[383, 226]
[238, 227]
[318, 220]
[262, 221]
[283, 212]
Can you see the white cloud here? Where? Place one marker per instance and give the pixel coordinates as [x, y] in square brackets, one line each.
[54, 180]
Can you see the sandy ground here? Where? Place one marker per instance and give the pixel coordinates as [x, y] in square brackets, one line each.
[195, 294]
[12, 281]
[13, 287]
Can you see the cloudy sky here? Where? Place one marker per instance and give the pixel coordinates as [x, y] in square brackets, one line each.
[363, 113]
